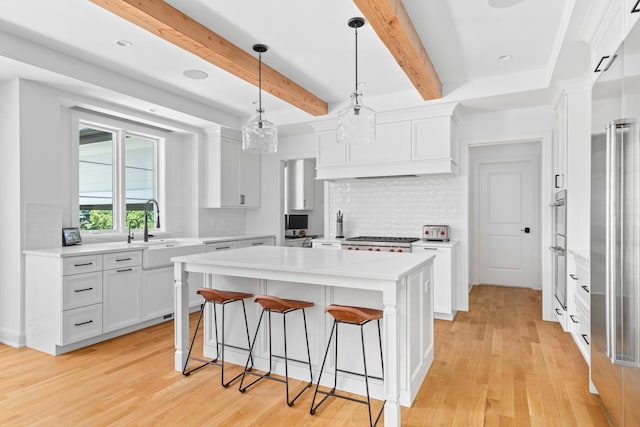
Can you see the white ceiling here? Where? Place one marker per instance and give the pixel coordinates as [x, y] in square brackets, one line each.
[72, 44]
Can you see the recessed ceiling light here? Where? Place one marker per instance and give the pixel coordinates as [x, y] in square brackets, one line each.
[503, 3]
[195, 74]
[124, 43]
[504, 57]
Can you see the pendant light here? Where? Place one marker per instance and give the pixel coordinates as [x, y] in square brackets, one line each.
[259, 136]
[356, 122]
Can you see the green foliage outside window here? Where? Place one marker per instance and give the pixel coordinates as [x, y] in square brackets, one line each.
[102, 219]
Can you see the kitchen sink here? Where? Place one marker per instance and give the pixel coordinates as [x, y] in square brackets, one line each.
[158, 253]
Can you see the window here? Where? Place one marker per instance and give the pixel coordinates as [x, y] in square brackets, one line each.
[118, 173]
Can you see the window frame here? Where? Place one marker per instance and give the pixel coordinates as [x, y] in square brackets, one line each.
[121, 129]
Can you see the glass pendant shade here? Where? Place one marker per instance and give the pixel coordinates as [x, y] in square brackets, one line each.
[356, 123]
[259, 136]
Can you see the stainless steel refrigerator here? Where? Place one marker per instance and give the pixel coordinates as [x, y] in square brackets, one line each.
[615, 269]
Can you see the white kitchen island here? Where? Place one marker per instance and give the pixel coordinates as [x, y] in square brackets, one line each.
[400, 284]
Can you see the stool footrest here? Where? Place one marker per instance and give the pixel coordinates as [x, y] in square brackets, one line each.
[358, 374]
[292, 360]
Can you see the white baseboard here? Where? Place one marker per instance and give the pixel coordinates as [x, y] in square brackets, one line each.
[12, 338]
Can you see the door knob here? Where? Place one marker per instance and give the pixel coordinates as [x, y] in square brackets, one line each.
[527, 230]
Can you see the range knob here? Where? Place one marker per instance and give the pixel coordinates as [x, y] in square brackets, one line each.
[357, 249]
[377, 249]
[391, 250]
[399, 250]
[370, 249]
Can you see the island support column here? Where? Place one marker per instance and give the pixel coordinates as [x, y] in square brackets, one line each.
[391, 355]
[181, 310]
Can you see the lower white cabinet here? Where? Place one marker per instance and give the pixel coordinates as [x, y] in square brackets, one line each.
[325, 244]
[263, 241]
[157, 293]
[81, 323]
[121, 298]
[579, 302]
[445, 278]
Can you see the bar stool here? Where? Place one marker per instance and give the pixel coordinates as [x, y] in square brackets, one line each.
[271, 304]
[358, 316]
[222, 298]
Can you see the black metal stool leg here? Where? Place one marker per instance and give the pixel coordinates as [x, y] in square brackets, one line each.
[246, 325]
[215, 325]
[312, 411]
[193, 340]
[286, 358]
[246, 366]
[366, 376]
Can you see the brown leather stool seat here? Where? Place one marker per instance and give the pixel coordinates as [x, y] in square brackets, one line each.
[221, 298]
[351, 314]
[358, 316]
[271, 304]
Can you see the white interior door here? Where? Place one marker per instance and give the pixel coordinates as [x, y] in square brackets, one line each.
[508, 223]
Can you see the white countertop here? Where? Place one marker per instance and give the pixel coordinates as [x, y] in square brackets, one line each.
[383, 265]
[109, 247]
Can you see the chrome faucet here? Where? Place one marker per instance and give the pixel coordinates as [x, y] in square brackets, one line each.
[146, 209]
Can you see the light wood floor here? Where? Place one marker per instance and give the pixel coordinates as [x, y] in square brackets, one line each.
[499, 364]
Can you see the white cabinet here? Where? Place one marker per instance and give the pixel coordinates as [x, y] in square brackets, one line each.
[579, 303]
[608, 38]
[157, 292]
[559, 142]
[263, 241]
[413, 142]
[325, 244]
[445, 279]
[70, 298]
[121, 291]
[301, 175]
[231, 177]
[221, 246]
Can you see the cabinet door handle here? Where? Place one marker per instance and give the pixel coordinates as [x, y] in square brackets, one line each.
[257, 244]
[326, 244]
[123, 259]
[572, 317]
[573, 276]
[242, 199]
[598, 70]
[584, 337]
[83, 323]
[430, 249]
[610, 62]
[584, 287]
[555, 179]
[84, 264]
[83, 290]
[124, 269]
[636, 8]
[223, 247]
[559, 312]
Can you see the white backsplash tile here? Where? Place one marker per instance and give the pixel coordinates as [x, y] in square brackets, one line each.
[222, 222]
[395, 206]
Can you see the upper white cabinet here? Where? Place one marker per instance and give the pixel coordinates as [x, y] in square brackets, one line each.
[559, 142]
[231, 177]
[302, 180]
[410, 142]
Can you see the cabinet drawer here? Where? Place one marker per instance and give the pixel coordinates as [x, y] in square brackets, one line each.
[325, 245]
[81, 264]
[584, 329]
[81, 289]
[267, 241]
[122, 259]
[221, 246]
[81, 323]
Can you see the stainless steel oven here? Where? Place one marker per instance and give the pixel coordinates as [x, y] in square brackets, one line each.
[559, 247]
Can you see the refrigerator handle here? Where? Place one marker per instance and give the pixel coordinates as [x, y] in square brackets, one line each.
[610, 243]
[621, 337]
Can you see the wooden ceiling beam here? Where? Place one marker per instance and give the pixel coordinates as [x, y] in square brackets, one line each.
[391, 22]
[172, 25]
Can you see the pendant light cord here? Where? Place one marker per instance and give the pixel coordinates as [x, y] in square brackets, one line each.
[356, 91]
[260, 84]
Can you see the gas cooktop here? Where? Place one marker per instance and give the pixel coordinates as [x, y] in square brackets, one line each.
[382, 239]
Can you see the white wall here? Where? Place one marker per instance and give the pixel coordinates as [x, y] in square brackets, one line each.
[515, 125]
[395, 206]
[10, 230]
